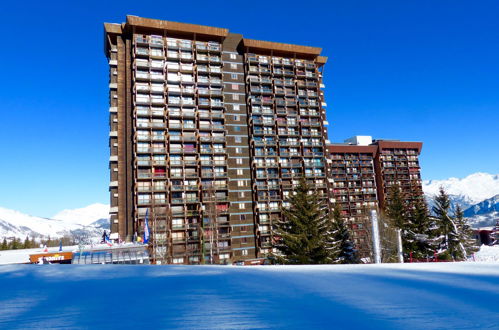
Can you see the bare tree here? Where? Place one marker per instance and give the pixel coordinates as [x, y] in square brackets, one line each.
[211, 213]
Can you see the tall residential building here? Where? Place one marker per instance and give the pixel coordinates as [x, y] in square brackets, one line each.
[363, 172]
[210, 131]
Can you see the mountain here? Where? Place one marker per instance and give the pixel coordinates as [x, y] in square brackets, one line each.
[85, 215]
[483, 214]
[477, 194]
[487, 206]
[469, 190]
[89, 222]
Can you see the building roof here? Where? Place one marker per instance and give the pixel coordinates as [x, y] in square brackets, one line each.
[203, 30]
[175, 26]
[280, 47]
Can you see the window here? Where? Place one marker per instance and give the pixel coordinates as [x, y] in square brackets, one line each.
[239, 171]
[233, 65]
[242, 206]
[240, 183]
[243, 252]
[237, 129]
[237, 118]
[233, 76]
[235, 87]
[238, 150]
[239, 161]
[178, 260]
[238, 139]
[233, 56]
[235, 96]
[235, 107]
[241, 194]
[242, 217]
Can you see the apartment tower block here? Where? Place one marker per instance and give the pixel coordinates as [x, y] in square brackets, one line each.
[363, 172]
[209, 134]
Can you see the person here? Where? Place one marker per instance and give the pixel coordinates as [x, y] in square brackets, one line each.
[104, 236]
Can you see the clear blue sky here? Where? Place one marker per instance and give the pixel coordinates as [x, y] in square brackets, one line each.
[410, 70]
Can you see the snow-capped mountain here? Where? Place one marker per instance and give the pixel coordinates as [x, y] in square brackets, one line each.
[477, 194]
[483, 214]
[85, 215]
[89, 221]
[472, 189]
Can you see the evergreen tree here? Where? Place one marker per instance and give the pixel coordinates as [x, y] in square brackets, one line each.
[5, 245]
[449, 244]
[305, 234]
[468, 243]
[15, 244]
[419, 239]
[396, 212]
[396, 209]
[344, 252]
[26, 244]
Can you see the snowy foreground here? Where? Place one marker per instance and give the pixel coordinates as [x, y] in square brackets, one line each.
[410, 296]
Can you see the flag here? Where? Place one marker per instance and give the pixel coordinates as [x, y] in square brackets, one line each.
[60, 245]
[146, 228]
[108, 241]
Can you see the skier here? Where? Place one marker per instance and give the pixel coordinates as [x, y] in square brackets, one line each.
[104, 236]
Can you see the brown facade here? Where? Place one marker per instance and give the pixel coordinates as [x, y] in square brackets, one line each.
[209, 133]
[363, 175]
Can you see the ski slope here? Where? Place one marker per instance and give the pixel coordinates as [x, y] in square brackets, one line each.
[390, 296]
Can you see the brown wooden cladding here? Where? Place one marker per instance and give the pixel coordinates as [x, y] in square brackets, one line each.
[400, 145]
[280, 47]
[352, 149]
[175, 26]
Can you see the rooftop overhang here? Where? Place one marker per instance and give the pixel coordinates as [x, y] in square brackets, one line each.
[175, 26]
[352, 149]
[399, 145]
[281, 48]
[113, 28]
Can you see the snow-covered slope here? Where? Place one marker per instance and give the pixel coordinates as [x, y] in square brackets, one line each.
[390, 296]
[483, 214]
[487, 206]
[16, 224]
[85, 215]
[472, 189]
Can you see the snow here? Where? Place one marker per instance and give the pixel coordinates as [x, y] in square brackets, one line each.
[31, 224]
[17, 224]
[488, 253]
[388, 296]
[475, 187]
[85, 215]
[21, 256]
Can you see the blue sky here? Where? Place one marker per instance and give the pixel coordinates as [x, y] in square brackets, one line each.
[410, 70]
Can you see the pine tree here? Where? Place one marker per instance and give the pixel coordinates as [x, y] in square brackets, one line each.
[468, 243]
[419, 239]
[449, 245]
[26, 244]
[5, 245]
[396, 212]
[344, 252]
[396, 209]
[15, 244]
[304, 235]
